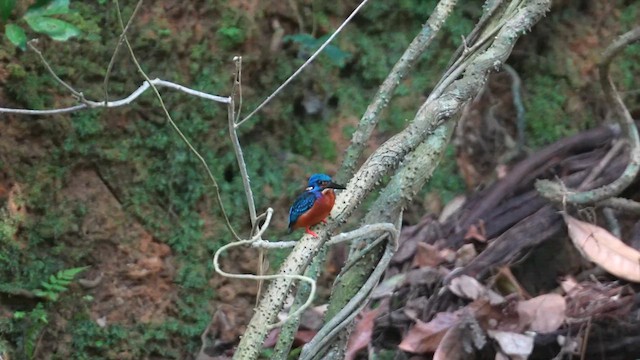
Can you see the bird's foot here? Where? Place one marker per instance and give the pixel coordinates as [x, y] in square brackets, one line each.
[324, 221]
[308, 231]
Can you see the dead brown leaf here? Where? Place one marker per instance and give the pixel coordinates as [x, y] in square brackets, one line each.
[361, 335]
[469, 288]
[601, 247]
[465, 254]
[451, 208]
[425, 337]
[476, 232]
[461, 340]
[427, 255]
[544, 313]
[514, 345]
[450, 348]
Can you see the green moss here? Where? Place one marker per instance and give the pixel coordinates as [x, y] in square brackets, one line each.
[545, 116]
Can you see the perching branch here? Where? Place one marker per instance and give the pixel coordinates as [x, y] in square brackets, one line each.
[385, 159]
[408, 180]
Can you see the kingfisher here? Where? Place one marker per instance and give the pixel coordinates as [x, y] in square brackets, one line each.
[314, 204]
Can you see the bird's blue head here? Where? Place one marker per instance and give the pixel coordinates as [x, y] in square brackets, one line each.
[319, 182]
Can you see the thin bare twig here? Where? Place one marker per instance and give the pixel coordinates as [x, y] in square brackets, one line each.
[235, 142]
[554, 191]
[516, 93]
[254, 238]
[87, 104]
[107, 74]
[75, 93]
[306, 63]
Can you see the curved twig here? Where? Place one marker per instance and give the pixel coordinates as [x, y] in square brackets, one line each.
[555, 191]
[306, 63]
[343, 318]
[88, 104]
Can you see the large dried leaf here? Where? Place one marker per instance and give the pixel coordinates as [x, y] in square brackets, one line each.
[516, 346]
[462, 340]
[544, 313]
[598, 245]
[467, 287]
[427, 255]
[387, 287]
[361, 336]
[451, 347]
[425, 337]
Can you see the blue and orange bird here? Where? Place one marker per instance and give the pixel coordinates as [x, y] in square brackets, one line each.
[314, 205]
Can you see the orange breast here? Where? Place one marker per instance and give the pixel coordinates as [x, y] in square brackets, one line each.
[319, 211]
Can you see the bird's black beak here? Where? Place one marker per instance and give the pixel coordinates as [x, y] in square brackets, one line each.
[332, 185]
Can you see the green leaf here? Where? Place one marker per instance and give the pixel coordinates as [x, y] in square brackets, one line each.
[6, 7]
[303, 38]
[71, 273]
[56, 29]
[58, 288]
[46, 285]
[16, 35]
[53, 7]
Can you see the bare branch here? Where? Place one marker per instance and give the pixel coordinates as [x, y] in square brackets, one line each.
[87, 104]
[105, 83]
[235, 142]
[75, 93]
[342, 319]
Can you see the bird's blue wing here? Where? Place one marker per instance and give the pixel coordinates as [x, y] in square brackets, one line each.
[303, 203]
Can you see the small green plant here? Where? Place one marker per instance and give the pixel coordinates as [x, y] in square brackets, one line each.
[58, 283]
[39, 18]
[231, 36]
[33, 323]
[308, 44]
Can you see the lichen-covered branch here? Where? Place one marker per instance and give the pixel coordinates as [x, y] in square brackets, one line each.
[409, 179]
[386, 159]
[400, 70]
